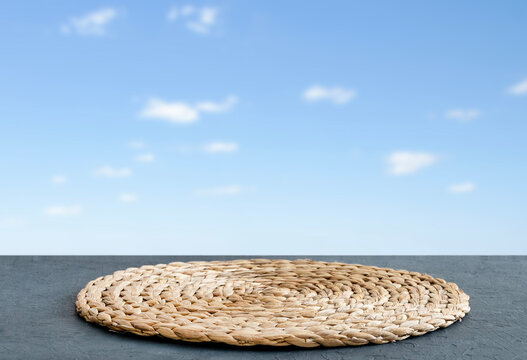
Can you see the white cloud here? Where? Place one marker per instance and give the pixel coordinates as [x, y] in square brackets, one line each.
[61, 210]
[519, 88]
[11, 221]
[337, 95]
[136, 144]
[128, 198]
[463, 115]
[199, 20]
[184, 113]
[111, 172]
[59, 179]
[93, 24]
[461, 187]
[407, 162]
[220, 147]
[221, 191]
[145, 158]
[174, 112]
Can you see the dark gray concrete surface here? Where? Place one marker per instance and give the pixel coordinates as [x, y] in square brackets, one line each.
[38, 318]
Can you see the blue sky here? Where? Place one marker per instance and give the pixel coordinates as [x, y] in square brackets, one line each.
[237, 127]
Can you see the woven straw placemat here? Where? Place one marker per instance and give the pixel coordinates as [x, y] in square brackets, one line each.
[272, 302]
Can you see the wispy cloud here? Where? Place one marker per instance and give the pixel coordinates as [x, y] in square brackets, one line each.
[463, 187]
[336, 94]
[128, 198]
[204, 21]
[200, 20]
[463, 115]
[91, 24]
[111, 172]
[217, 107]
[220, 147]
[136, 144]
[173, 14]
[11, 221]
[63, 210]
[220, 191]
[145, 158]
[519, 88]
[59, 179]
[182, 112]
[407, 162]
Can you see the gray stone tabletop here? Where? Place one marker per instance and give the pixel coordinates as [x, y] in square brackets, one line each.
[38, 318]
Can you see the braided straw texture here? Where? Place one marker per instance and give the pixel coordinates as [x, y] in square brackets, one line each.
[272, 302]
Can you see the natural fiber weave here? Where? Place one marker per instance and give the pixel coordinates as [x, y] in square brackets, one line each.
[272, 302]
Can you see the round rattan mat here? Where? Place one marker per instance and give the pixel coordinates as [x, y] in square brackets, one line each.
[272, 302]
